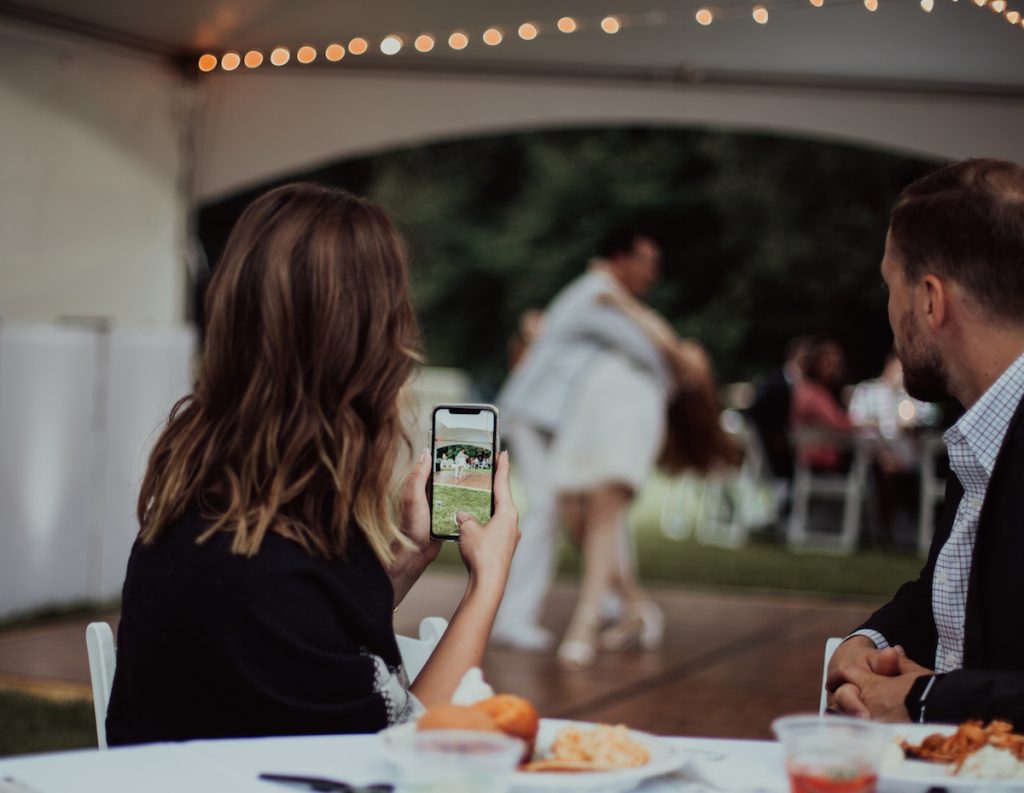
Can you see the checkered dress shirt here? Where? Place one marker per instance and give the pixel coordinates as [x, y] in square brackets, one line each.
[973, 444]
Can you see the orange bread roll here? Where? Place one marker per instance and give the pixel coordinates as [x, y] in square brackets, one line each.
[456, 717]
[514, 716]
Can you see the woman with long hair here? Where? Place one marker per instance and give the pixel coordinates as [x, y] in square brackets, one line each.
[816, 406]
[272, 548]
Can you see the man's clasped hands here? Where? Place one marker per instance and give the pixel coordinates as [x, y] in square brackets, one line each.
[871, 683]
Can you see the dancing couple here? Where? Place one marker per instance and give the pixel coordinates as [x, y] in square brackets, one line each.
[607, 391]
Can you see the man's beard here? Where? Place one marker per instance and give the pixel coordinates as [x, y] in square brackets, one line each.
[924, 374]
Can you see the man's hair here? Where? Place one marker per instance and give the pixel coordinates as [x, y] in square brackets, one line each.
[620, 240]
[966, 222]
[294, 425]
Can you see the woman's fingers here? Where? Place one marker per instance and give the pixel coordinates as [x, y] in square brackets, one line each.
[415, 487]
[466, 522]
[502, 489]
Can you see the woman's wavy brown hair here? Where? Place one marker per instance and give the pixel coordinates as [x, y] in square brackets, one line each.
[294, 424]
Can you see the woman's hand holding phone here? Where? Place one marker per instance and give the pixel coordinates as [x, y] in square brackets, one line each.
[487, 553]
[487, 550]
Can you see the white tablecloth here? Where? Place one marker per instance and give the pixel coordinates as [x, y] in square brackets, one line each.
[233, 766]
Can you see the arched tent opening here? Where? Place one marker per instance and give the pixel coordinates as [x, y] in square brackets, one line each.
[765, 237]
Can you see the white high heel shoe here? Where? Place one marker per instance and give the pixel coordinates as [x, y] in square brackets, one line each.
[652, 632]
[576, 654]
[643, 624]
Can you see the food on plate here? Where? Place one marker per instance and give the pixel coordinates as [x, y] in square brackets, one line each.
[599, 748]
[514, 716]
[456, 717]
[976, 750]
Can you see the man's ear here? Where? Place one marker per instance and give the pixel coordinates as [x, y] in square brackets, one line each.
[933, 301]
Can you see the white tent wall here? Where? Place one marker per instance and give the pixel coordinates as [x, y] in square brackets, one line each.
[93, 210]
[79, 411]
[92, 216]
[264, 125]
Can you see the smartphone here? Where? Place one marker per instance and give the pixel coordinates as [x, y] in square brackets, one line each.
[463, 446]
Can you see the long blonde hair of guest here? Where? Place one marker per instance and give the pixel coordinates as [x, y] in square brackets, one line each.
[294, 424]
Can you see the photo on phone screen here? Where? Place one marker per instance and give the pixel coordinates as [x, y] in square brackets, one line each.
[464, 445]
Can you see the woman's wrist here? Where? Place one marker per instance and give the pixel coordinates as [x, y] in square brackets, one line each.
[485, 587]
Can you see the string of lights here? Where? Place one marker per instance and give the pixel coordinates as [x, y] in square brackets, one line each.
[459, 39]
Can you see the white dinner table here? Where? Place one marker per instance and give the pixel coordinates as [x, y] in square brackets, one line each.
[234, 765]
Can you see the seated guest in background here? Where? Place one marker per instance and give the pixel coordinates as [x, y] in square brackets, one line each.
[259, 594]
[883, 406]
[950, 645]
[816, 406]
[772, 405]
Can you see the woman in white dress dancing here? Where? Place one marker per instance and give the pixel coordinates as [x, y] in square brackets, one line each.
[621, 424]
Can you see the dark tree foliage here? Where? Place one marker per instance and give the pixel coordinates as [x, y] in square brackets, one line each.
[764, 237]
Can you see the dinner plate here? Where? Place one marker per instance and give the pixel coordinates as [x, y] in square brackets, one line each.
[900, 775]
[664, 759]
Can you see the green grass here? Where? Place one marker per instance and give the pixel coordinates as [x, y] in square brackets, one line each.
[448, 500]
[31, 724]
[763, 564]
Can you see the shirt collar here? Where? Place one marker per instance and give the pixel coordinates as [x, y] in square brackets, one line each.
[983, 427]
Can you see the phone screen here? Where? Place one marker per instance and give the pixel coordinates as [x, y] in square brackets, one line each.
[464, 444]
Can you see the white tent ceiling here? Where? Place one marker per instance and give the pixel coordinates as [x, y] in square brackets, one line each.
[958, 46]
[945, 84]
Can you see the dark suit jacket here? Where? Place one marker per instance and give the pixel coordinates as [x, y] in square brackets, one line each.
[991, 683]
[770, 414]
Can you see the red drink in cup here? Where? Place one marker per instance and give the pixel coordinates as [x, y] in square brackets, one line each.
[831, 754]
[804, 781]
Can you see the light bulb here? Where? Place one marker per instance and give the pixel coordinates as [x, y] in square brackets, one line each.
[527, 31]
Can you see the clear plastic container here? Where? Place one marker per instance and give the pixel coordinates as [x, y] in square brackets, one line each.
[457, 761]
[831, 754]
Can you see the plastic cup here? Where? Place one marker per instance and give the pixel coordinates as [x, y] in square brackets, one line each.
[831, 754]
[458, 761]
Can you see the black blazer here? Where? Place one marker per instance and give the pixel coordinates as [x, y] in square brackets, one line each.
[991, 683]
[769, 413]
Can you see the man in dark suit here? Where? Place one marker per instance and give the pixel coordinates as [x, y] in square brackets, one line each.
[950, 645]
[769, 412]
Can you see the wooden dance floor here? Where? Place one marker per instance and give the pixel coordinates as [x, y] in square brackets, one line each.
[730, 663]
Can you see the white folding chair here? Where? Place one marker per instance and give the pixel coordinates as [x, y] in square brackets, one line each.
[849, 487]
[99, 642]
[415, 652]
[830, 647]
